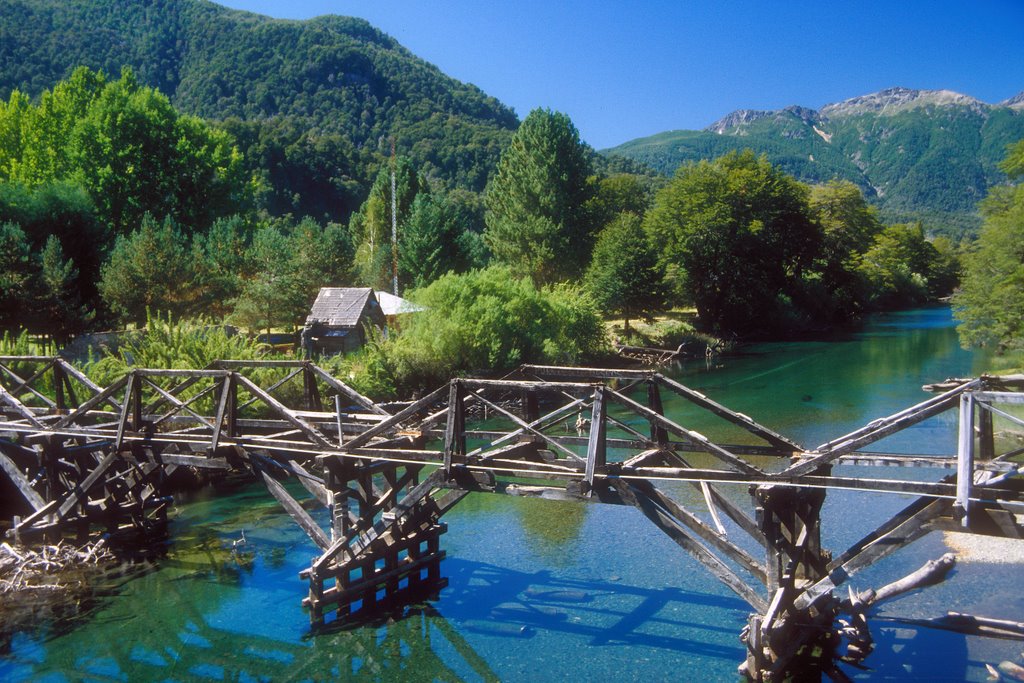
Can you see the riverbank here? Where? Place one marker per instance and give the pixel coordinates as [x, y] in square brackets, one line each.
[976, 548]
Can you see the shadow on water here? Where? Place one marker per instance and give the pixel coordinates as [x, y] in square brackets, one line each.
[505, 603]
[914, 653]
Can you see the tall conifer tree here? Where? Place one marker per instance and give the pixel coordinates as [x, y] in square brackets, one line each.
[536, 217]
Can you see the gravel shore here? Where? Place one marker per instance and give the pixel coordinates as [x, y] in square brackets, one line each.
[977, 548]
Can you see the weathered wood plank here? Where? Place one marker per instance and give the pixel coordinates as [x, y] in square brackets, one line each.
[698, 439]
[396, 419]
[348, 391]
[21, 482]
[296, 511]
[675, 531]
[738, 419]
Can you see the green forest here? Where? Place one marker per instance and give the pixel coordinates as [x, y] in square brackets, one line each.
[166, 180]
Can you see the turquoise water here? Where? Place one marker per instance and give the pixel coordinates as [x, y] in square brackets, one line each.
[541, 590]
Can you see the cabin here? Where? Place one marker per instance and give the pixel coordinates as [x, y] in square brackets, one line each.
[339, 320]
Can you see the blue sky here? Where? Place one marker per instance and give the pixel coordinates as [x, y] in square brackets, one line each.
[624, 70]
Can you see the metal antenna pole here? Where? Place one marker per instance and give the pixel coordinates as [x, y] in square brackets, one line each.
[394, 224]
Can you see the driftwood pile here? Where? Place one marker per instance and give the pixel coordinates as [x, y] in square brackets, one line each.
[49, 567]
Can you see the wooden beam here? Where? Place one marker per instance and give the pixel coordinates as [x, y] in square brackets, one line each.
[83, 488]
[585, 373]
[21, 482]
[675, 531]
[738, 419]
[454, 433]
[965, 458]
[879, 429]
[96, 399]
[396, 419]
[26, 384]
[698, 439]
[540, 423]
[84, 380]
[901, 530]
[296, 511]
[596, 448]
[517, 420]
[308, 430]
[348, 391]
[706, 533]
[19, 408]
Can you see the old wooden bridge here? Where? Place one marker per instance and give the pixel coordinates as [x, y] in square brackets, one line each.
[80, 458]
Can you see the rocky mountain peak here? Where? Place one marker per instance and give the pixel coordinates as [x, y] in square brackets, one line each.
[892, 100]
[1015, 102]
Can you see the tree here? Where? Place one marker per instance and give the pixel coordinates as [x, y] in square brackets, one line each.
[898, 265]
[738, 230]
[15, 275]
[370, 228]
[135, 155]
[537, 221]
[285, 267]
[430, 245]
[149, 270]
[60, 303]
[991, 295]
[127, 146]
[272, 296]
[624, 277]
[615, 195]
[837, 290]
[488, 320]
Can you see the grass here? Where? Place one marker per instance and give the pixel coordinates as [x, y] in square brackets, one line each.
[668, 330]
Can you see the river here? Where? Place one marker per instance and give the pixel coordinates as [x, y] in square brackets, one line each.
[542, 590]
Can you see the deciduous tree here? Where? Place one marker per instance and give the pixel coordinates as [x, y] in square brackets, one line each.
[739, 229]
[991, 296]
[624, 276]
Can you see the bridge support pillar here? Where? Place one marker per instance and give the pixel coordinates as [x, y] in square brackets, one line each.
[790, 521]
[385, 543]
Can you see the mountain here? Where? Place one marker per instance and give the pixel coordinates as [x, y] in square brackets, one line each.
[313, 103]
[926, 155]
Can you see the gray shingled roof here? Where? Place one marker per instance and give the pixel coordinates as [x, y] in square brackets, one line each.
[339, 306]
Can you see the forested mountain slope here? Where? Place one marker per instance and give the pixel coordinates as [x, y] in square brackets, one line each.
[312, 103]
[917, 154]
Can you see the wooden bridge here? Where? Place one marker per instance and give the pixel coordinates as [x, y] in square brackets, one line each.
[78, 458]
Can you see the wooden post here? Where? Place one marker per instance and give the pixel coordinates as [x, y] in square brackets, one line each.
[58, 386]
[965, 458]
[310, 391]
[455, 431]
[531, 410]
[658, 433]
[596, 447]
[986, 431]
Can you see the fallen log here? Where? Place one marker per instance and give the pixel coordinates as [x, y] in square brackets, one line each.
[931, 573]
